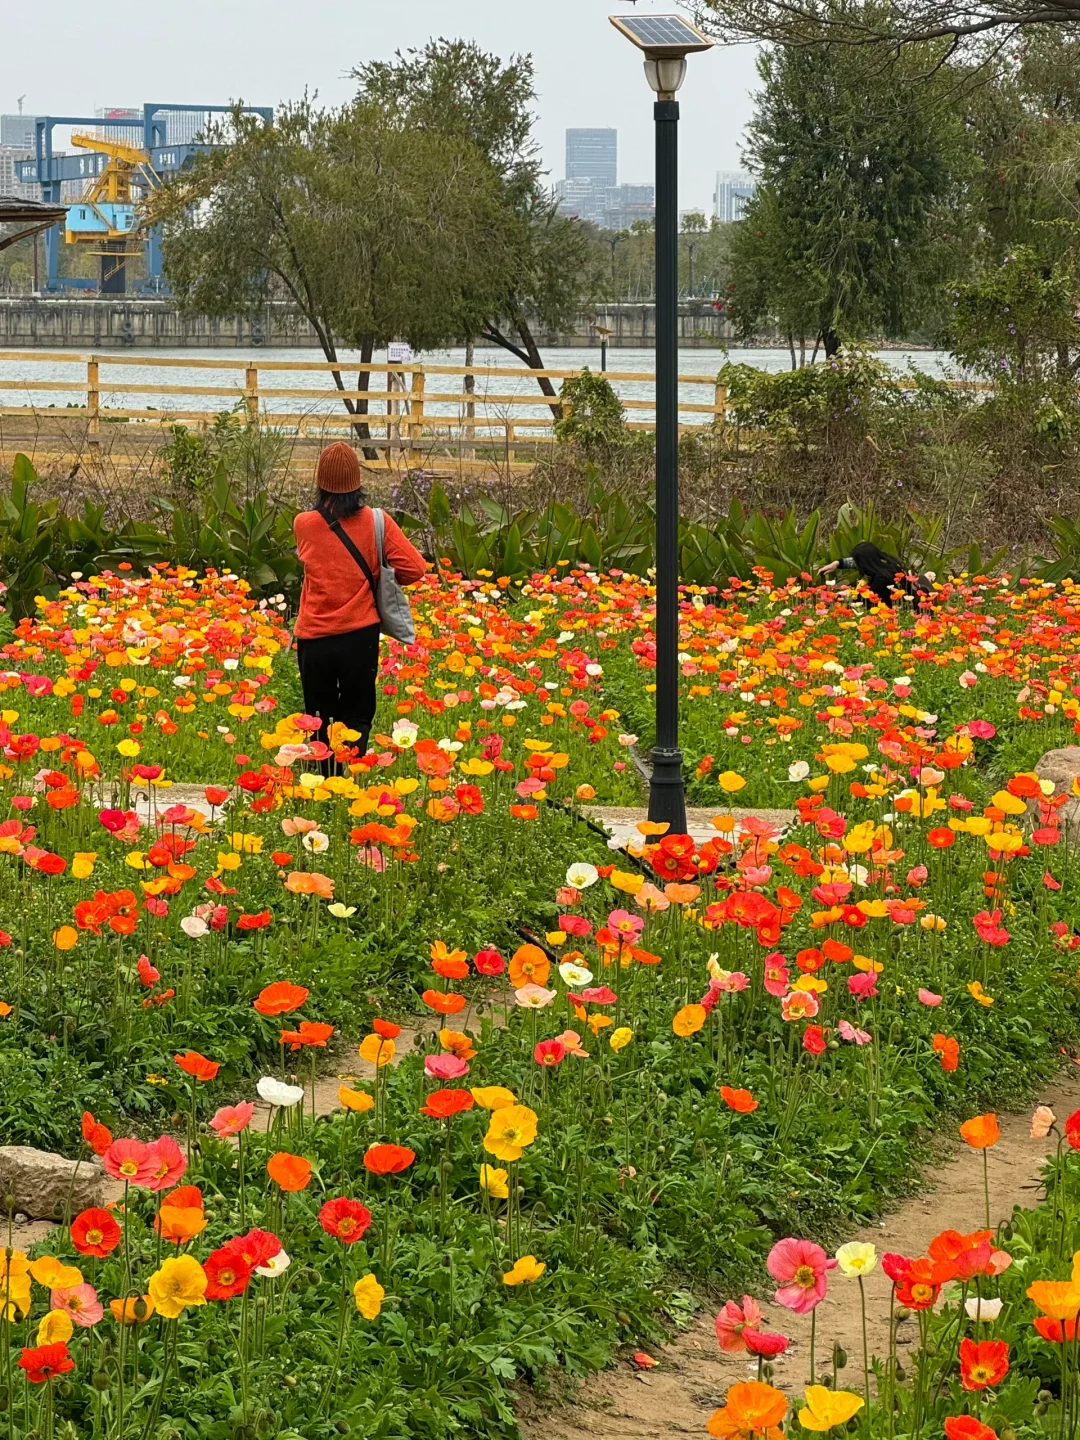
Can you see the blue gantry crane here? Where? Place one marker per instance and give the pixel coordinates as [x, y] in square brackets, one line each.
[113, 176]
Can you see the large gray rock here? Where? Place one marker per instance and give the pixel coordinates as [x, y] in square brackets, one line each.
[1062, 767]
[42, 1185]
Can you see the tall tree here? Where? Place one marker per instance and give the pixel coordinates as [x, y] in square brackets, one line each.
[375, 230]
[456, 89]
[980, 26]
[850, 230]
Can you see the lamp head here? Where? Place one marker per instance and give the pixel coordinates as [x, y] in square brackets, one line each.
[666, 40]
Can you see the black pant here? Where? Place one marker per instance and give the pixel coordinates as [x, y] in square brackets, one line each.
[337, 673]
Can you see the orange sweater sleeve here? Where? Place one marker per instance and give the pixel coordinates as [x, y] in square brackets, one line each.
[405, 560]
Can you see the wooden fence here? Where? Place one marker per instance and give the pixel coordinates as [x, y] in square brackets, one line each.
[422, 415]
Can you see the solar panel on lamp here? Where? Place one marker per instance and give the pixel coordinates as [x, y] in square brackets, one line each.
[661, 34]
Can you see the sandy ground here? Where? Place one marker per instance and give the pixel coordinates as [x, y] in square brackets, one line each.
[677, 1398]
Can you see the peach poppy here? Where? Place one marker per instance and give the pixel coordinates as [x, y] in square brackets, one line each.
[310, 882]
[291, 1172]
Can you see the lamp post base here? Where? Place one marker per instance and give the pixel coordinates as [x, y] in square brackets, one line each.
[667, 797]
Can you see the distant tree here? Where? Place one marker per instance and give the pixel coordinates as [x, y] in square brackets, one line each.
[454, 88]
[854, 221]
[375, 230]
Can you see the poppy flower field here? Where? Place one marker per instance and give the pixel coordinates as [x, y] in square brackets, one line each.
[410, 1086]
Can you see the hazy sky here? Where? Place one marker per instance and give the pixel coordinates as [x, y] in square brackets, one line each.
[264, 51]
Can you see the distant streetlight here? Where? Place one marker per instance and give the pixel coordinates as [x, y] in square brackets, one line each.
[666, 40]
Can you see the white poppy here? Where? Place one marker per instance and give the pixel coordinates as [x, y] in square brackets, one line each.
[574, 975]
[340, 910]
[983, 1309]
[798, 770]
[193, 927]
[276, 1092]
[581, 875]
[276, 1265]
[316, 842]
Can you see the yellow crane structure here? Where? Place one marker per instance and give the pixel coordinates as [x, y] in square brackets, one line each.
[107, 214]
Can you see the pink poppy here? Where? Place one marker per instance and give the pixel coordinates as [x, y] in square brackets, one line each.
[650, 898]
[80, 1303]
[444, 1067]
[917, 875]
[863, 985]
[801, 1268]
[799, 1005]
[169, 1163]
[981, 729]
[231, 1119]
[734, 982]
[1050, 882]
[599, 995]
[130, 1161]
[777, 974]
[732, 1321]
[624, 924]
[961, 802]
[372, 857]
[848, 1031]
[927, 997]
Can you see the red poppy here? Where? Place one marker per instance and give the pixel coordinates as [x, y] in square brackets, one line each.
[941, 837]
[983, 1363]
[228, 1273]
[388, 1159]
[386, 1028]
[216, 794]
[345, 1219]
[1072, 1129]
[197, 1066]
[42, 1362]
[258, 1247]
[95, 1232]
[280, 997]
[814, 1039]
[441, 1104]
[549, 1052]
[489, 962]
[1057, 1331]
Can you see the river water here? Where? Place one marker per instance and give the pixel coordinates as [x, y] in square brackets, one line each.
[225, 369]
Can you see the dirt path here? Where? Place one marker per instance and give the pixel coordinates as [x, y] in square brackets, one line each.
[677, 1398]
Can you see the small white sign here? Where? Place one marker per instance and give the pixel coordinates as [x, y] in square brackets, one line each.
[398, 353]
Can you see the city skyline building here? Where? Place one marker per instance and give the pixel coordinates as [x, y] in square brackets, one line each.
[593, 155]
[734, 190]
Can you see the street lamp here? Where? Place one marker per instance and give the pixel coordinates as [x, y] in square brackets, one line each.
[666, 40]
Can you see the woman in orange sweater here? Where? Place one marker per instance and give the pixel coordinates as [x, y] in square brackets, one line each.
[337, 629]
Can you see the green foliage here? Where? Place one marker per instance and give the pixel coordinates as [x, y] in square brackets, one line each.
[1017, 325]
[592, 415]
[854, 166]
[808, 407]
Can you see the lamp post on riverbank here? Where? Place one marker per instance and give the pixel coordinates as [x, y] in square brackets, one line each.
[666, 40]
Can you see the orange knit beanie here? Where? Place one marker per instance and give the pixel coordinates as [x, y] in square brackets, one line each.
[338, 469]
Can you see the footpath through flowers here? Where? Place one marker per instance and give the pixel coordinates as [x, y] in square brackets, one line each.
[676, 1061]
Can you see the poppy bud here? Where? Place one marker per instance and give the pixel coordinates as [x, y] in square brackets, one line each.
[1039, 1409]
[290, 1381]
[1007, 1434]
[100, 1380]
[767, 1371]
[839, 1357]
[1007, 1232]
[342, 1427]
[899, 1372]
[622, 1317]
[902, 1313]
[65, 1390]
[1045, 1397]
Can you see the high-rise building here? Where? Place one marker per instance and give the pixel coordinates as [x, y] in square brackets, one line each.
[17, 131]
[9, 184]
[593, 155]
[625, 204]
[184, 127]
[126, 135]
[733, 191]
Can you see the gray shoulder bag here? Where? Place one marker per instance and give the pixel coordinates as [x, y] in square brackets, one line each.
[395, 612]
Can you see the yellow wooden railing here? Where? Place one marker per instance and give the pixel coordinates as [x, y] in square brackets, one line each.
[421, 409]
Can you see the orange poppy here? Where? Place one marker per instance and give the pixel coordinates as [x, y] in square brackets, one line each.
[739, 1100]
[751, 1408]
[386, 1028]
[981, 1132]
[444, 1002]
[388, 1159]
[941, 837]
[528, 966]
[310, 882]
[290, 1172]
[280, 997]
[689, 1020]
[197, 1066]
[311, 1032]
[179, 1223]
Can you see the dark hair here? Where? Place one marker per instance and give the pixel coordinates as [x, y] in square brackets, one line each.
[876, 564]
[333, 505]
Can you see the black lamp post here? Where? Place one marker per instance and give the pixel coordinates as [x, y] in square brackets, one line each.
[666, 41]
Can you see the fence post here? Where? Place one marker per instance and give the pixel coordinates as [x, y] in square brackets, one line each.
[720, 408]
[93, 403]
[251, 394]
[510, 452]
[416, 417]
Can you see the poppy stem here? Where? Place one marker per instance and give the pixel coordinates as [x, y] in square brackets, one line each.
[986, 1186]
[813, 1344]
